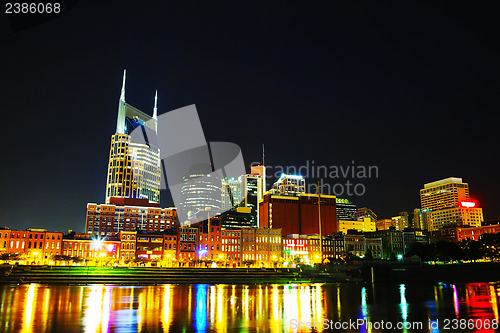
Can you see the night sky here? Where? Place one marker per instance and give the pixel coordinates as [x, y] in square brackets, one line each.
[410, 88]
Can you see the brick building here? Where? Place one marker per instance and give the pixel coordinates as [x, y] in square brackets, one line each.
[149, 246]
[187, 245]
[128, 245]
[128, 214]
[231, 247]
[298, 214]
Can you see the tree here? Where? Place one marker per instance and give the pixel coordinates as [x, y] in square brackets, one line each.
[249, 263]
[421, 250]
[369, 255]
[10, 256]
[137, 260]
[490, 246]
[471, 250]
[61, 258]
[350, 257]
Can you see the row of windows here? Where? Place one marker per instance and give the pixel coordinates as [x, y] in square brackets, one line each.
[18, 235]
[231, 233]
[170, 246]
[32, 245]
[128, 237]
[129, 246]
[145, 248]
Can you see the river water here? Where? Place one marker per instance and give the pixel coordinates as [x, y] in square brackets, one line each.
[344, 307]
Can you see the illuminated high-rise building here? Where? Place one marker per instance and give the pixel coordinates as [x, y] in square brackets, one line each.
[447, 203]
[252, 191]
[132, 200]
[345, 209]
[445, 193]
[231, 193]
[261, 171]
[289, 185]
[134, 168]
[401, 221]
[240, 199]
[201, 190]
[365, 212]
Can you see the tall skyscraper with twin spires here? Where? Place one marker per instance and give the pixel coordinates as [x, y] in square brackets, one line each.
[132, 199]
[134, 168]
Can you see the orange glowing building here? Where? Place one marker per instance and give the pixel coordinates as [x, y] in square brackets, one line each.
[447, 203]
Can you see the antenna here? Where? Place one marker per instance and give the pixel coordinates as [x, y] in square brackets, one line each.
[263, 155]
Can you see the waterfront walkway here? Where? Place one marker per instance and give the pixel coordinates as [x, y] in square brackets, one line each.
[155, 275]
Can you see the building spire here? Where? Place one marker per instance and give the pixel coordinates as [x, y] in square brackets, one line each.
[263, 156]
[122, 97]
[155, 113]
[120, 122]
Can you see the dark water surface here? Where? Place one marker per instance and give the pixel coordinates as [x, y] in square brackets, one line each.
[239, 308]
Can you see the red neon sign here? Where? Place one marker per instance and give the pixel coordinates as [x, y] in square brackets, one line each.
[468, 204]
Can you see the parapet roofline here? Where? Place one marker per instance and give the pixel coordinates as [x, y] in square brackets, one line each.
[443, 181]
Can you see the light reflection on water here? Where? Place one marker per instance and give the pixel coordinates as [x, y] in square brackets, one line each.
[239, 308]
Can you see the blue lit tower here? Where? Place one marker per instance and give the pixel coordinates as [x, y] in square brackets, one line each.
[134, 168]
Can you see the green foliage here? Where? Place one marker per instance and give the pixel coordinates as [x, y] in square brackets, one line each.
[10, 256]
[249, 263]
[351, 257]
[369, 255]
[61, 258]
[488, 247]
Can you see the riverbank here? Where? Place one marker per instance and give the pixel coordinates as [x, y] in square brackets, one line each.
[151, 276]
[378, 272]
[470, 272]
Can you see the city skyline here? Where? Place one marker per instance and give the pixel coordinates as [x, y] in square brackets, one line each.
[280, 166]
[419, 107]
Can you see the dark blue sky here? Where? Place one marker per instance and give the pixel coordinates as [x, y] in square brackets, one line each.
[410, 88]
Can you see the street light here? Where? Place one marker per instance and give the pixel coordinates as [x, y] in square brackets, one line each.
[97, 244]
[319, 221]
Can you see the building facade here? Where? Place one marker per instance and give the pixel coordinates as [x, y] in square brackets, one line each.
[231, 247]
[440, 218]
[298, 214]
[127, 245]
[124, 214]
[4, 239]
[445, 193]
[84, 248]
[320, 253]
[365, 212]
[400, 222]
[261, 247]
[384, 224]
[457, 234]
[295, 249]
[363, 224]
[345, 209]
[200, 191]
[149, 246]
[447, 203]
